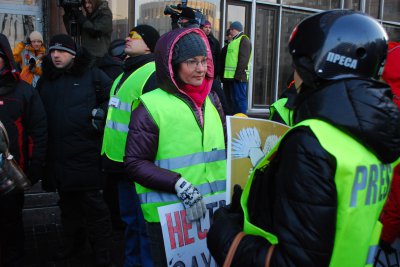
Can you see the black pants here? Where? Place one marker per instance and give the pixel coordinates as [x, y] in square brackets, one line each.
[110, 196]
[157, 247]
[11, 229]
[85, 212]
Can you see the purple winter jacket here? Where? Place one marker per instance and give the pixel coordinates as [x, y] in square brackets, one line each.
[142, 141]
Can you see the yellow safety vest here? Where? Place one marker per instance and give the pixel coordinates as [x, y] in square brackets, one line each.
[231, 59]
[198, 154]
[119, 111]
[362, 184]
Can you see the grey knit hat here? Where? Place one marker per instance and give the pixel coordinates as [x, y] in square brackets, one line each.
[237, 26]
[190, 45]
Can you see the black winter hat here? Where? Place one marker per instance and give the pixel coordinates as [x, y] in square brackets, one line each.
[190, 45]
[63, 42]
[149, 35]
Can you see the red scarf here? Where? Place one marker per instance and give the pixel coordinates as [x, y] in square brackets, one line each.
[197, 93]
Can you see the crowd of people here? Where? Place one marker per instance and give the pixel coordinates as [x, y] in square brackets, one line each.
[120, 128]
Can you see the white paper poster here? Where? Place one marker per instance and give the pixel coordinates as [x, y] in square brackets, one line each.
[185, 242]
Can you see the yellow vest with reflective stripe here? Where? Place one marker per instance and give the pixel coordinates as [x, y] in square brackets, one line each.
[118, 116]
[231, 59]
[362, 184]
[198, 154]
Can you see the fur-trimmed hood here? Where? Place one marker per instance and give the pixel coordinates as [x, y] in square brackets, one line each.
[82, 62]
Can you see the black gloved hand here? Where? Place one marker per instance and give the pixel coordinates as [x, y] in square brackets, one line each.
[79, 16]
[98, 119]
[235, 203]
[225, 227]
[32, 64]
[386, 247]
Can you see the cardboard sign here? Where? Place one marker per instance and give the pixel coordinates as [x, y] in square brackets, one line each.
[185, 242]
[249, 139]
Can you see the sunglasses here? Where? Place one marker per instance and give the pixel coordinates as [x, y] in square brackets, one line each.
[134, 35]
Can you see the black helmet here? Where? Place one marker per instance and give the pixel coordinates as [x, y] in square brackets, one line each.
[339, 44]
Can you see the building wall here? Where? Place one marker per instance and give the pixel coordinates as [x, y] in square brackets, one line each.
[269, 28]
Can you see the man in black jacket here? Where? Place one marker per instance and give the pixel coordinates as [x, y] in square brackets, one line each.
[23, 115]
[72, 92]
[94, 29]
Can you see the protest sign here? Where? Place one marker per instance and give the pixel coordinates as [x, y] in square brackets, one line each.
[249, 139]
[185, 242]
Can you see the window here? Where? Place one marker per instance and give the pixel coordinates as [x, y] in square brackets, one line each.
[120, 10]
[318, 4]
[289, 20]
[264, 58]
[372, 8]
[391, 11]
[393, 32]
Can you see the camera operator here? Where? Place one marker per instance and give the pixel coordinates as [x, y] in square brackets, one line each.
[187, 18]
[93, 30]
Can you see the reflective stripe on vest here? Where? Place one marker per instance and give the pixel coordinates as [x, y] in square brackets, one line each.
[285, 113]
[158, 197]
[231, 59]
[196, 154]
[188, 160]
[119, 113]
[362, 185]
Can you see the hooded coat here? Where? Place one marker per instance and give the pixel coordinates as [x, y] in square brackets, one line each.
[23, 115]
[23, 53]
[73, 158]
[142, 141]
[296, 197]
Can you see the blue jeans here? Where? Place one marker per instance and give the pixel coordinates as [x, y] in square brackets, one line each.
[137, 247]
[239, 93]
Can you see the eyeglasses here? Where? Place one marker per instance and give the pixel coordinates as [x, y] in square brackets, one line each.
[193, 64]
[134, 35]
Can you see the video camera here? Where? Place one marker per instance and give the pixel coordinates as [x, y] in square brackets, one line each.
[70, 8]
[69, 3]
[174, 11]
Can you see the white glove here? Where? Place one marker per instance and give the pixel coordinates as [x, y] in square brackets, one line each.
[191, 199]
